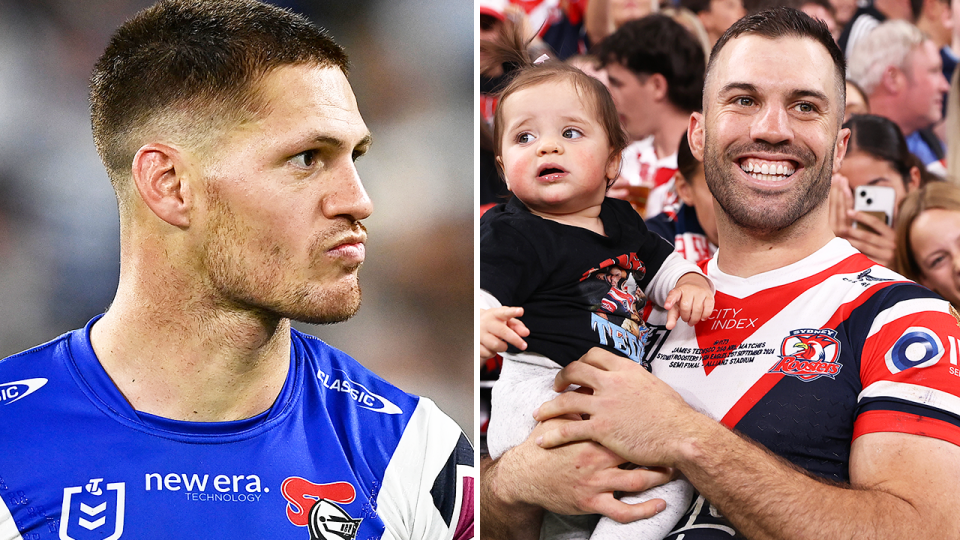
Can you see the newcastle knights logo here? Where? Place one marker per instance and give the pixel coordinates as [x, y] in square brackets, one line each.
[809, 354]
[315, 506]
[92, 511]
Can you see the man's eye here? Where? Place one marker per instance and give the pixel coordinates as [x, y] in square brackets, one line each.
[524, 138]
[305, 159]
[571, 133]
[805, 107]
[744, 101]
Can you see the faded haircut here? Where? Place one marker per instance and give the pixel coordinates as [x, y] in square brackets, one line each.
[780, 22]
[186, 70]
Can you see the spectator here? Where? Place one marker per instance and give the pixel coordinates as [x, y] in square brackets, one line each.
[604, 17]
[877, 155]
[716, 15]
[856, 101]
[900, 71]
[693, 228]
[655, 67]
[928, 239]
[869, 16]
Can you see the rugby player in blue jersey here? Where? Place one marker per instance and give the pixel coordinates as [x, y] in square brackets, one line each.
[191, 409]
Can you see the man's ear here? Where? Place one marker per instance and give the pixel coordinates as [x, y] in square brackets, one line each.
[843, 137]
[893, 80]
[158, 175]
[659, 83]
[695, 135]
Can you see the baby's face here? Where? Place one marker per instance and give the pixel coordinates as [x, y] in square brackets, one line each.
[555, 153]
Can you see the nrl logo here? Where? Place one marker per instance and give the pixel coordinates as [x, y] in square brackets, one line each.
[809, 354]
[91, 511]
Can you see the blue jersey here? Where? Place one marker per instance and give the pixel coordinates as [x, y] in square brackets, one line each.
[341, 455]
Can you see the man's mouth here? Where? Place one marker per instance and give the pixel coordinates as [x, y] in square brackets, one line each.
[768, 171]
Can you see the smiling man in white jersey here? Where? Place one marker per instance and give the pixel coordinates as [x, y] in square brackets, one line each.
[840, 371]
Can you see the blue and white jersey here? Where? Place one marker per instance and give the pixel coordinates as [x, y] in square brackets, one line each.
[341, 455]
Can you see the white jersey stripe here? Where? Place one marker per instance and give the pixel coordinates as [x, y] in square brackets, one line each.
[905, 307]
[8, 529]
[923, 395]
[953, 350]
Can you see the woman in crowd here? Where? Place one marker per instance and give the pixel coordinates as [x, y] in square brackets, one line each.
[877, 155]
[928, 239]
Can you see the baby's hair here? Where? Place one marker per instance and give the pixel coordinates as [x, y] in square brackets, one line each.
[513, 51]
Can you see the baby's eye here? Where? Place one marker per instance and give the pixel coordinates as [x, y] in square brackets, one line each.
[305, 160]
[571, 133]
[524, 138]
[936, 261]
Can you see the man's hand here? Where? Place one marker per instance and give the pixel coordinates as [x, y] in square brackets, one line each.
[630, 411]
[499, 326]
[577, 478]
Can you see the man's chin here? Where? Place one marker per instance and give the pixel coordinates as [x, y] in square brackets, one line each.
[333, 308]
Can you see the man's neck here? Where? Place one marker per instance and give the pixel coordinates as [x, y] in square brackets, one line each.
[891, 106]
[745, 253]
[673, 124]
[183, 360]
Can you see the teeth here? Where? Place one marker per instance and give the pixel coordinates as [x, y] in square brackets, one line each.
[767, 172]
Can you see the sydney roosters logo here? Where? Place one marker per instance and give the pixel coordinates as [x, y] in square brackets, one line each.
[809, 354]
[315, 506]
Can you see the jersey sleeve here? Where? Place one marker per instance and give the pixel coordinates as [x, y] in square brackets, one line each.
[909, 369]
[427, 488]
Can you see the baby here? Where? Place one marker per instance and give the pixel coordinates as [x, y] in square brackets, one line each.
[576, 265]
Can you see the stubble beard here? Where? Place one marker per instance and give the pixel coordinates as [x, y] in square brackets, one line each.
[246, 272]
[766, 213]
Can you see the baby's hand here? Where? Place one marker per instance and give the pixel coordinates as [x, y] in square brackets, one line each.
[691, 300]
[500, 326]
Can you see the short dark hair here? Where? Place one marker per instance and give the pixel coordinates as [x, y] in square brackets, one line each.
[687, 164]
[881, 138]
[782, 22]
[188, 67]
[696, 6]
[658, 44]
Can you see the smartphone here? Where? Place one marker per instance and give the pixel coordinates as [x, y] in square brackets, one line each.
[877, 201]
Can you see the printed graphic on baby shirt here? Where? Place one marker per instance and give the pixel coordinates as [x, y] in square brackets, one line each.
[616, 303]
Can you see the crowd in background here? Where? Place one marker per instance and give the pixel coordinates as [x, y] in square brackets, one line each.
[411, 69]
[901, 107]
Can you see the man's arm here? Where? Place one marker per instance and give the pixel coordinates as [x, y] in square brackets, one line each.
[902, 486]
[577, 478]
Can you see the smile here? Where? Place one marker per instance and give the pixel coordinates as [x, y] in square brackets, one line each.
[768, 171]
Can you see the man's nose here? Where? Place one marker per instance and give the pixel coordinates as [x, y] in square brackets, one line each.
[772, 125]
[346, 195]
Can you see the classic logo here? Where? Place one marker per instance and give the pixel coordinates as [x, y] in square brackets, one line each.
[916, 348]
[92, 511]
[315, 506]
[17, 390]
[339, 382]
[809, 354]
